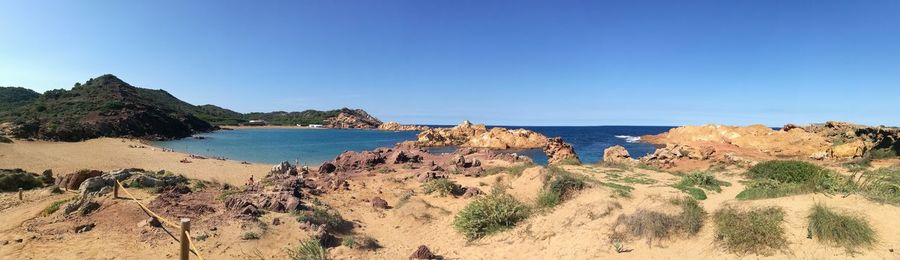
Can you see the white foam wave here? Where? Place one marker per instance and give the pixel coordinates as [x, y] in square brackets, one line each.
[629, 139]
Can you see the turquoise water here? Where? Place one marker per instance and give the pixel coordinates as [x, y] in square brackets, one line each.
[271, 145]
[313, 146]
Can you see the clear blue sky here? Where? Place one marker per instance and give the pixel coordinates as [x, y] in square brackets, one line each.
[499, 62]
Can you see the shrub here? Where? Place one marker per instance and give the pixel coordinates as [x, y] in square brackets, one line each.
[443, 187]
[310, 249]
[695, 182]
[4, 139]
[654, 225]
[514, 170]
[321, 215]
[756, 231]
[54, 207]
[560, 186]
[12, 180]
[838, 229]
[782, 178]
[488, 214]
[881, 185]
[362, 242]
[787, 171]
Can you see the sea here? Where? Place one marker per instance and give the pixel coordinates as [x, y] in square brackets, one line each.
[314, 146]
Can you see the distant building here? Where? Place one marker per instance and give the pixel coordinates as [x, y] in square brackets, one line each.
[256, 122]
[314, 126]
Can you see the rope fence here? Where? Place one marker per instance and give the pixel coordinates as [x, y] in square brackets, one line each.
[186, 234]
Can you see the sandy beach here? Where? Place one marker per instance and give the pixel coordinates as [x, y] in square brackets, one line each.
[116, 153]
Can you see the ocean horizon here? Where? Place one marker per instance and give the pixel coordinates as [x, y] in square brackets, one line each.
[314, 146]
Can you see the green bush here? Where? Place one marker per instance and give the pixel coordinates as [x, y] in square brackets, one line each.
[838, 229]
[13, 179]
[695, 182]
[442, 187]
[488, 214]
[787, 171]
[881, 185]
[757, 231]
[561, 185]
[653, 225]
[362, 242]
[321, 215]
[782, 178]
[310, 249]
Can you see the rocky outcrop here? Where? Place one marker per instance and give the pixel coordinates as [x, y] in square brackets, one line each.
[560, 152]
[669, 155]
[792, 143]
[617, 154]
[351, 161]
[394, 126]
[835, 140]
[467, 134]
[356, 118]
[852, 140]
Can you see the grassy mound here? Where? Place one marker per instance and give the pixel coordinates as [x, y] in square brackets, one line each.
[839, 229]
[695, 182]
[653, 225]
[757, 231]
[882, 185]
[442, 187]
[13, 179]
[774, 179]
[559, 186]
[489, 214]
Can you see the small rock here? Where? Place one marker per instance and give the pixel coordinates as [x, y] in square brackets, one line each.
[84, 228]
[471, 192]
[423, 253]
[154, 222]
[276, 221]
[379, 203]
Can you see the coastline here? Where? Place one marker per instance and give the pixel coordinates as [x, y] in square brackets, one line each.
[116, 153]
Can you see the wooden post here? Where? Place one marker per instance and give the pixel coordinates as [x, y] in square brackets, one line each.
[116, 190]
[20, 193]
[185, 245]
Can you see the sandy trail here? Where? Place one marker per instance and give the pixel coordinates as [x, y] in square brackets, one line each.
[114, 153]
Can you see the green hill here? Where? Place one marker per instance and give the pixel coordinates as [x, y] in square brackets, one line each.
[109, 107]
[105, 106]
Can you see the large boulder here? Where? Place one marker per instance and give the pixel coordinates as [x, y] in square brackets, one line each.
[849, 150]
[73, 180]
[353, 161]
[560, 152]
[617, 154]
